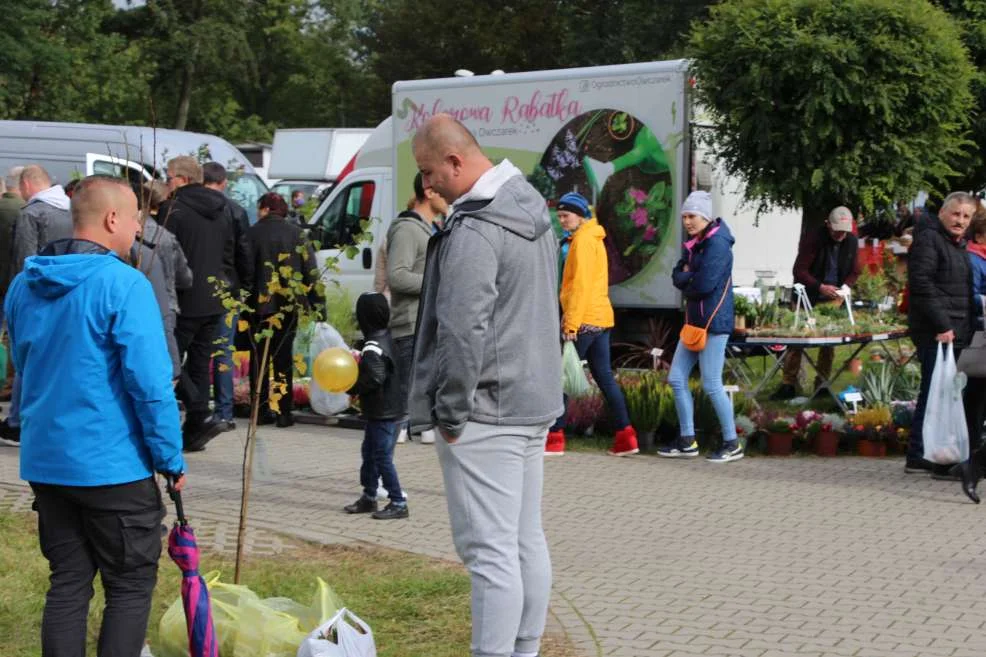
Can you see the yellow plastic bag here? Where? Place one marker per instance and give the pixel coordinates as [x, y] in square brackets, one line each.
[247, 626]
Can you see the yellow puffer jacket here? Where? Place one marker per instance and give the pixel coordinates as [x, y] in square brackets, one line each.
[585, 280]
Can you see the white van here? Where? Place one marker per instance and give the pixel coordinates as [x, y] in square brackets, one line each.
[73, 150]
[620, 135]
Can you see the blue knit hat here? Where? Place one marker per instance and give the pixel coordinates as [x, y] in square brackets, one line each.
[576, 203]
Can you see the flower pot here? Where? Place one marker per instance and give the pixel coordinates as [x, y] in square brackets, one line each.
[779, 444]
[645, 441]
[872, 447]
[826, 443]
[739, 323]
[856, 366]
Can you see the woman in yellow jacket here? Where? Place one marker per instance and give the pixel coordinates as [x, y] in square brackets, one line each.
[587, 316]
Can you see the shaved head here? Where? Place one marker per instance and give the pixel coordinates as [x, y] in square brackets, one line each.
[104, 211]
[448, 156]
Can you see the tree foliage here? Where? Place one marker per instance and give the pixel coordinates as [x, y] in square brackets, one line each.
[821, 103]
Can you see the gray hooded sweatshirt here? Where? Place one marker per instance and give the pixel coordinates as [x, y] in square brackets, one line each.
[407, 244]
[44, 219]
[486, 346]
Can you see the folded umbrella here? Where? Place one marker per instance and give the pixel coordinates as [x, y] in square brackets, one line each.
[184, 551]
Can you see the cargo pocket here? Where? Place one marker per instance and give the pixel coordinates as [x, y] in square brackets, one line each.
[141, 538]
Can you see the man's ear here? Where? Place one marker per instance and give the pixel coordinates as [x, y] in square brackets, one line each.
[456, 161]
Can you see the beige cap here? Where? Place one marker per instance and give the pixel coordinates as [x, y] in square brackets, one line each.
[840, 219]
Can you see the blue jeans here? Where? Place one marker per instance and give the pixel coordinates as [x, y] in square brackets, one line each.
[222, 370]
[710, 362]
[378, 460]
[594, 347]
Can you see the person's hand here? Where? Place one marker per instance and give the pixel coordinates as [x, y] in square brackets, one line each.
[450, 439]
[176, 484]
[829, 291]
[948, 337]
[569, 336]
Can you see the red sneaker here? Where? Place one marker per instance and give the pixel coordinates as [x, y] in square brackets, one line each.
[625, 442]
[555, 445]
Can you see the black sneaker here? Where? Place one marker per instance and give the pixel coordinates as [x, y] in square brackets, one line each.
[392, 512]
[945, 472]
[10, 435]
[917, 466]
[228, 425]
[195, 435]
[284, 420]
[731, 451]
[363, 505]
[785, 392]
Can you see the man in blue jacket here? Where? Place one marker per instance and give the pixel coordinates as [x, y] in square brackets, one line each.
[98, 419]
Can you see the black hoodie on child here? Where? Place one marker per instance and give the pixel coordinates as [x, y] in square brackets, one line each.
[378, 385]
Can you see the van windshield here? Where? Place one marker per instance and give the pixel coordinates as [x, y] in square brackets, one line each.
[246, 189]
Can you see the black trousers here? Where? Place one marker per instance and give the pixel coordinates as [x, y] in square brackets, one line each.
[196, 338]
[974, 400]
[281, 364]
[115, 530]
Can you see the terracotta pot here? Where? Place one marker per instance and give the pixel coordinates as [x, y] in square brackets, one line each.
[826, 443]
[779, 444]
[872, 447]
[856, 366]
[739, 323]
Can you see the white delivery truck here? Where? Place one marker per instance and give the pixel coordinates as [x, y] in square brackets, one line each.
[620, 135]
[310, 159]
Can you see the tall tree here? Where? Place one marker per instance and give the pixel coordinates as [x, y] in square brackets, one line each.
[822, 103]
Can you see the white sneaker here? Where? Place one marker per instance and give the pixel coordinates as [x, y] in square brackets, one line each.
[428, 437]
[402, 437]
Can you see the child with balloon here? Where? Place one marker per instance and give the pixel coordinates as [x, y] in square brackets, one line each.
[382, 403]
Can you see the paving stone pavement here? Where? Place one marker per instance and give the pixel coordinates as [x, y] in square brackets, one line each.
[761, 558]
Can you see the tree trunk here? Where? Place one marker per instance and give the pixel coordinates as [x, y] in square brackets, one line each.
[185, 90]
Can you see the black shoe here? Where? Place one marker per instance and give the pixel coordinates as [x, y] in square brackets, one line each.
[917, 466]
[363, 505]
[10, 435]
[228, 425]
[285, 420]
[195, 435]
[392, 512]
[785, 392]
[969, 472]
[265, 417]
[945, 472]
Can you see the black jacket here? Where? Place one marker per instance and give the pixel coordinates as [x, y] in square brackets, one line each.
[200, 221]
[273, 240]
[939, 276]
[241, 224]
[378, 385]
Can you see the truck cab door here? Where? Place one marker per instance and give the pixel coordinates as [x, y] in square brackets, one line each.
[337, 225]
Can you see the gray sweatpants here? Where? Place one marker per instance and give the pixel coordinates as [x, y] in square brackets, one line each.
[494, 476]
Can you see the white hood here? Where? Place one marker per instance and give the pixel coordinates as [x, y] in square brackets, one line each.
[489, 183]
[53, 196]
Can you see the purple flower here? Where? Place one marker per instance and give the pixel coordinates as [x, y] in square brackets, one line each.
[637, 195]
[649, 233]
[639, 217]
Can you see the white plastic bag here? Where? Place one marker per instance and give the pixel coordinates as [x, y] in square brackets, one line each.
[346, 635]
[326, 403]
[946, 437]
[573, 380]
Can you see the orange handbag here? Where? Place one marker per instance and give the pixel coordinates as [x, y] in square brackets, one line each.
[694, 337]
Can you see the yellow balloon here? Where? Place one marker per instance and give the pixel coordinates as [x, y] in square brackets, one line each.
[335, 370]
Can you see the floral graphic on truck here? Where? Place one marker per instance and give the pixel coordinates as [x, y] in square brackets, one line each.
[617, 162]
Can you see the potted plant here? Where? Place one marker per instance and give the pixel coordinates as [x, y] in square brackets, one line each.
[745, 428]
[644, 392]
[827, 429]
[582, 413]
[743, 312]
[780, 435]
[871, 427]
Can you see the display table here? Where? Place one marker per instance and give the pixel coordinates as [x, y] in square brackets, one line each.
[739, 347]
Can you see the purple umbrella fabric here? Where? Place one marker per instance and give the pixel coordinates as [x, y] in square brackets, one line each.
[184, 551]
